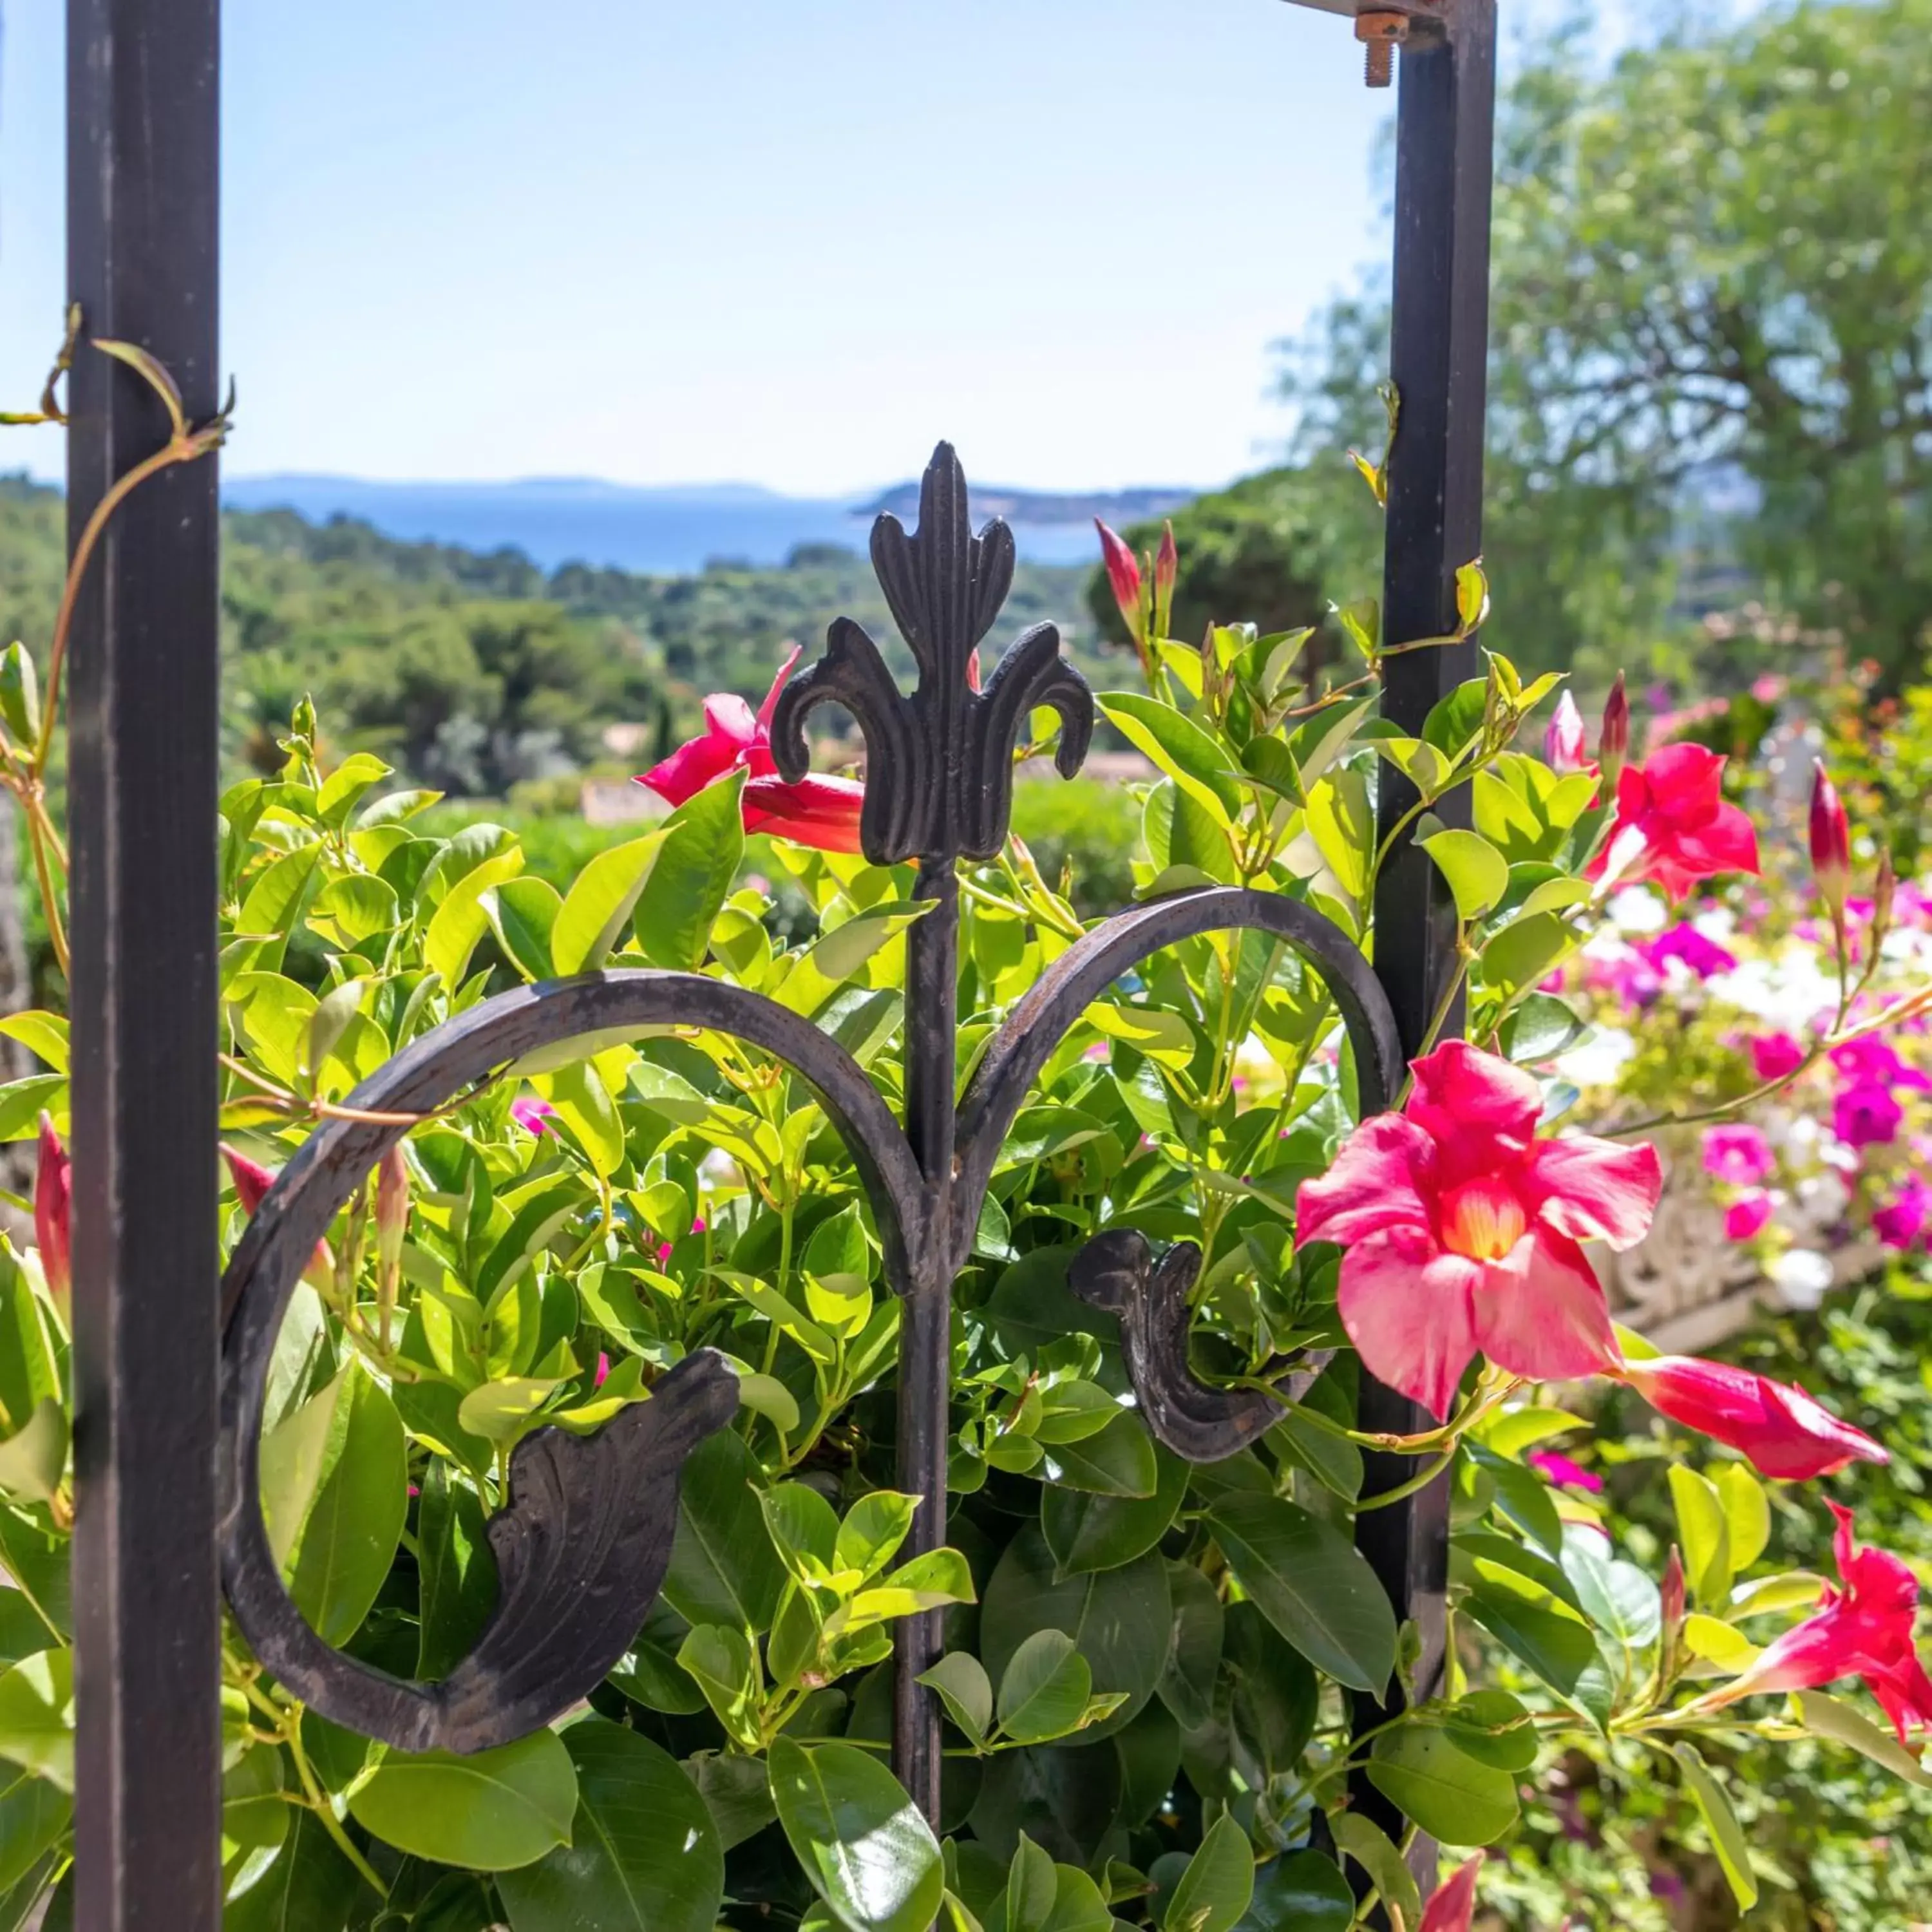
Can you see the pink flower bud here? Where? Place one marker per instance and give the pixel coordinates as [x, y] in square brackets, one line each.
[53, 1210]
[1123, 573]
[1787, 1435]
[392, 1206]
[1564, 748]
[1673, 1590]
[1831, 839]
[1613, 740]
[1166, 569]
[1453, 1903]
[252, 1183]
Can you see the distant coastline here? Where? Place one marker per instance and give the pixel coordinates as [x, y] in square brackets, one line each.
[671, 530]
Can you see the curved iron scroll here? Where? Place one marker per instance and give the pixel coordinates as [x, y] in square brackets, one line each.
[584, 1539]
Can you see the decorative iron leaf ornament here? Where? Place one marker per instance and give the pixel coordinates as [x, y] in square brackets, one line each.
[939, 780]
[1117, 1271]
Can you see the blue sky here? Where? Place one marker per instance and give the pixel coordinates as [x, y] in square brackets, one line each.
[747, 239]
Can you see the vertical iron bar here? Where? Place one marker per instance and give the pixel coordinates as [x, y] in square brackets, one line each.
[1438, 349]
[932, 1024]
[142, 188]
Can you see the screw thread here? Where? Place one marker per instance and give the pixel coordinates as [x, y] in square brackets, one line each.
[1378, 63]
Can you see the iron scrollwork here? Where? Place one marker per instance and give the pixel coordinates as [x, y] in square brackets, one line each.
[584, 1538]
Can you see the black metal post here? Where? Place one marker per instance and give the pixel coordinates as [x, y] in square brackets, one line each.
[1439, 340]
[142, 159]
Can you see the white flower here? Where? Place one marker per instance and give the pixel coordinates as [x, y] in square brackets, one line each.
[1823, 1197]
[1598, 1061]
[1801, 1276]
[1637, 909]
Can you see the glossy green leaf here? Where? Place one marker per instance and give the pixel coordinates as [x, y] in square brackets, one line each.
[456, 1569]
[34, 1813]
[599, 904]
[1311, 1583]
[1086, 1530]
[34, 1459]
[37, 1716]
[523, 912]
[1826, 1717]
[1371, 1848]
[1451, 1794]
[1301, 1891]
[868, 1851]
[1178, 747]
[723, 1567]
[1116, 1461]
[960, 1679]
[704, 842]
[1478, 874]
[1727, 1836]
[308, 1886]
[1044, 1688]
[491, 1811]
[1703, 1534]
[1214, 1890]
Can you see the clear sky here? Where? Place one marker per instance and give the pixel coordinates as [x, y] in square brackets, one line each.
[789, 241]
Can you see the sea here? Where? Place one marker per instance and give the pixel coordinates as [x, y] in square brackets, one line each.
[670, 530]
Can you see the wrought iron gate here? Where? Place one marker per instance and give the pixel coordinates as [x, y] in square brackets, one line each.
[169, 1375]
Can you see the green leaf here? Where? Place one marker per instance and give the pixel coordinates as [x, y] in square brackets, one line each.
[1120, 1621]
[579, 1094]
[1086, 1530]
[1455, 720]
[1555, 1642]
[491, 1811]
[1524, 951]
[339, 1556]
[721, 1663]
[460, 921]
[1117, 1461]
[43, 1034]
[1478, 873]
[1324, 738]
[1031, 1885]
[874, 1527]
[1727, 1836]
[1194, 1659]
[308, 1886]
[723, 1567]
[1493, 1728]
[523, 912]
[1825, 1717]
[868, 1851]
[457, 1569]
[34, 1813]
[33, 1459]
[1178, 747]
[1044, 1689]
[1369, 1845]
[1311, 1583]
[37, 1716]
[20, 705]
[1451, 1794]
[704, 844]
[597, 906]
[1704, 1534]
[1302, 1892]
[1342, 824]
[961, 1681]
[500, 1411]
[1747, 1513]
[354, 907]
[1214, 1890]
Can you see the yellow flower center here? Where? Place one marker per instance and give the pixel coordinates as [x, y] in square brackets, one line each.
[1483, 1219]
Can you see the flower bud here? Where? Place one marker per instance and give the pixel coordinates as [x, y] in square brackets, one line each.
[1673, 1592]
[1613, 740]
[1564, 750]
[392, 1220]
[252, 1182]
[1830, 840]
[1453, 1903]
[1885, 888]
[1166, 569]
[53, 1211]
[1123, 574]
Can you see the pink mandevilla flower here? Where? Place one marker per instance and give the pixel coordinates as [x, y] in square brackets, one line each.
[1788, 1435]
[1460, 1229]
[1691, 948]
[1745, 1218]
[1124, 578]
[1673, 826]
[818, 811]
[1737, 1154]
[1869, 1061]
[1901, 1221]
[529, 1113]
[1775, 1054]
[1863, 1629]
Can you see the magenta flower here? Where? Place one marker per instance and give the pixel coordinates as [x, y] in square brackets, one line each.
[1703, 956]
[1737, 1154]
[1869, 1061]
[1744, 1219]
[1460, 1228]
[1565, 748]
[1901, 1221]
[1775, 1054]
[1563, 1473]
[1863, 1117]
[529, 1113]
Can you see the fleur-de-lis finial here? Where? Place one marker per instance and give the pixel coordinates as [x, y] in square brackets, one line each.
[939, 770]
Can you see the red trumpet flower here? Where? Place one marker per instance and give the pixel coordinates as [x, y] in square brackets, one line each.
[818, 811]
[1830, 840]
[252, 1183]
[1453, 1904]
[1673, 826]
[1123, 574]
[1863, 1630]
[1787, 1435]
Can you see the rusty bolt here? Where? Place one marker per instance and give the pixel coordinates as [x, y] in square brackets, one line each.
[1380, 34]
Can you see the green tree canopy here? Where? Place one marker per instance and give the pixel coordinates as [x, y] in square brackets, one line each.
[1712, 321]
